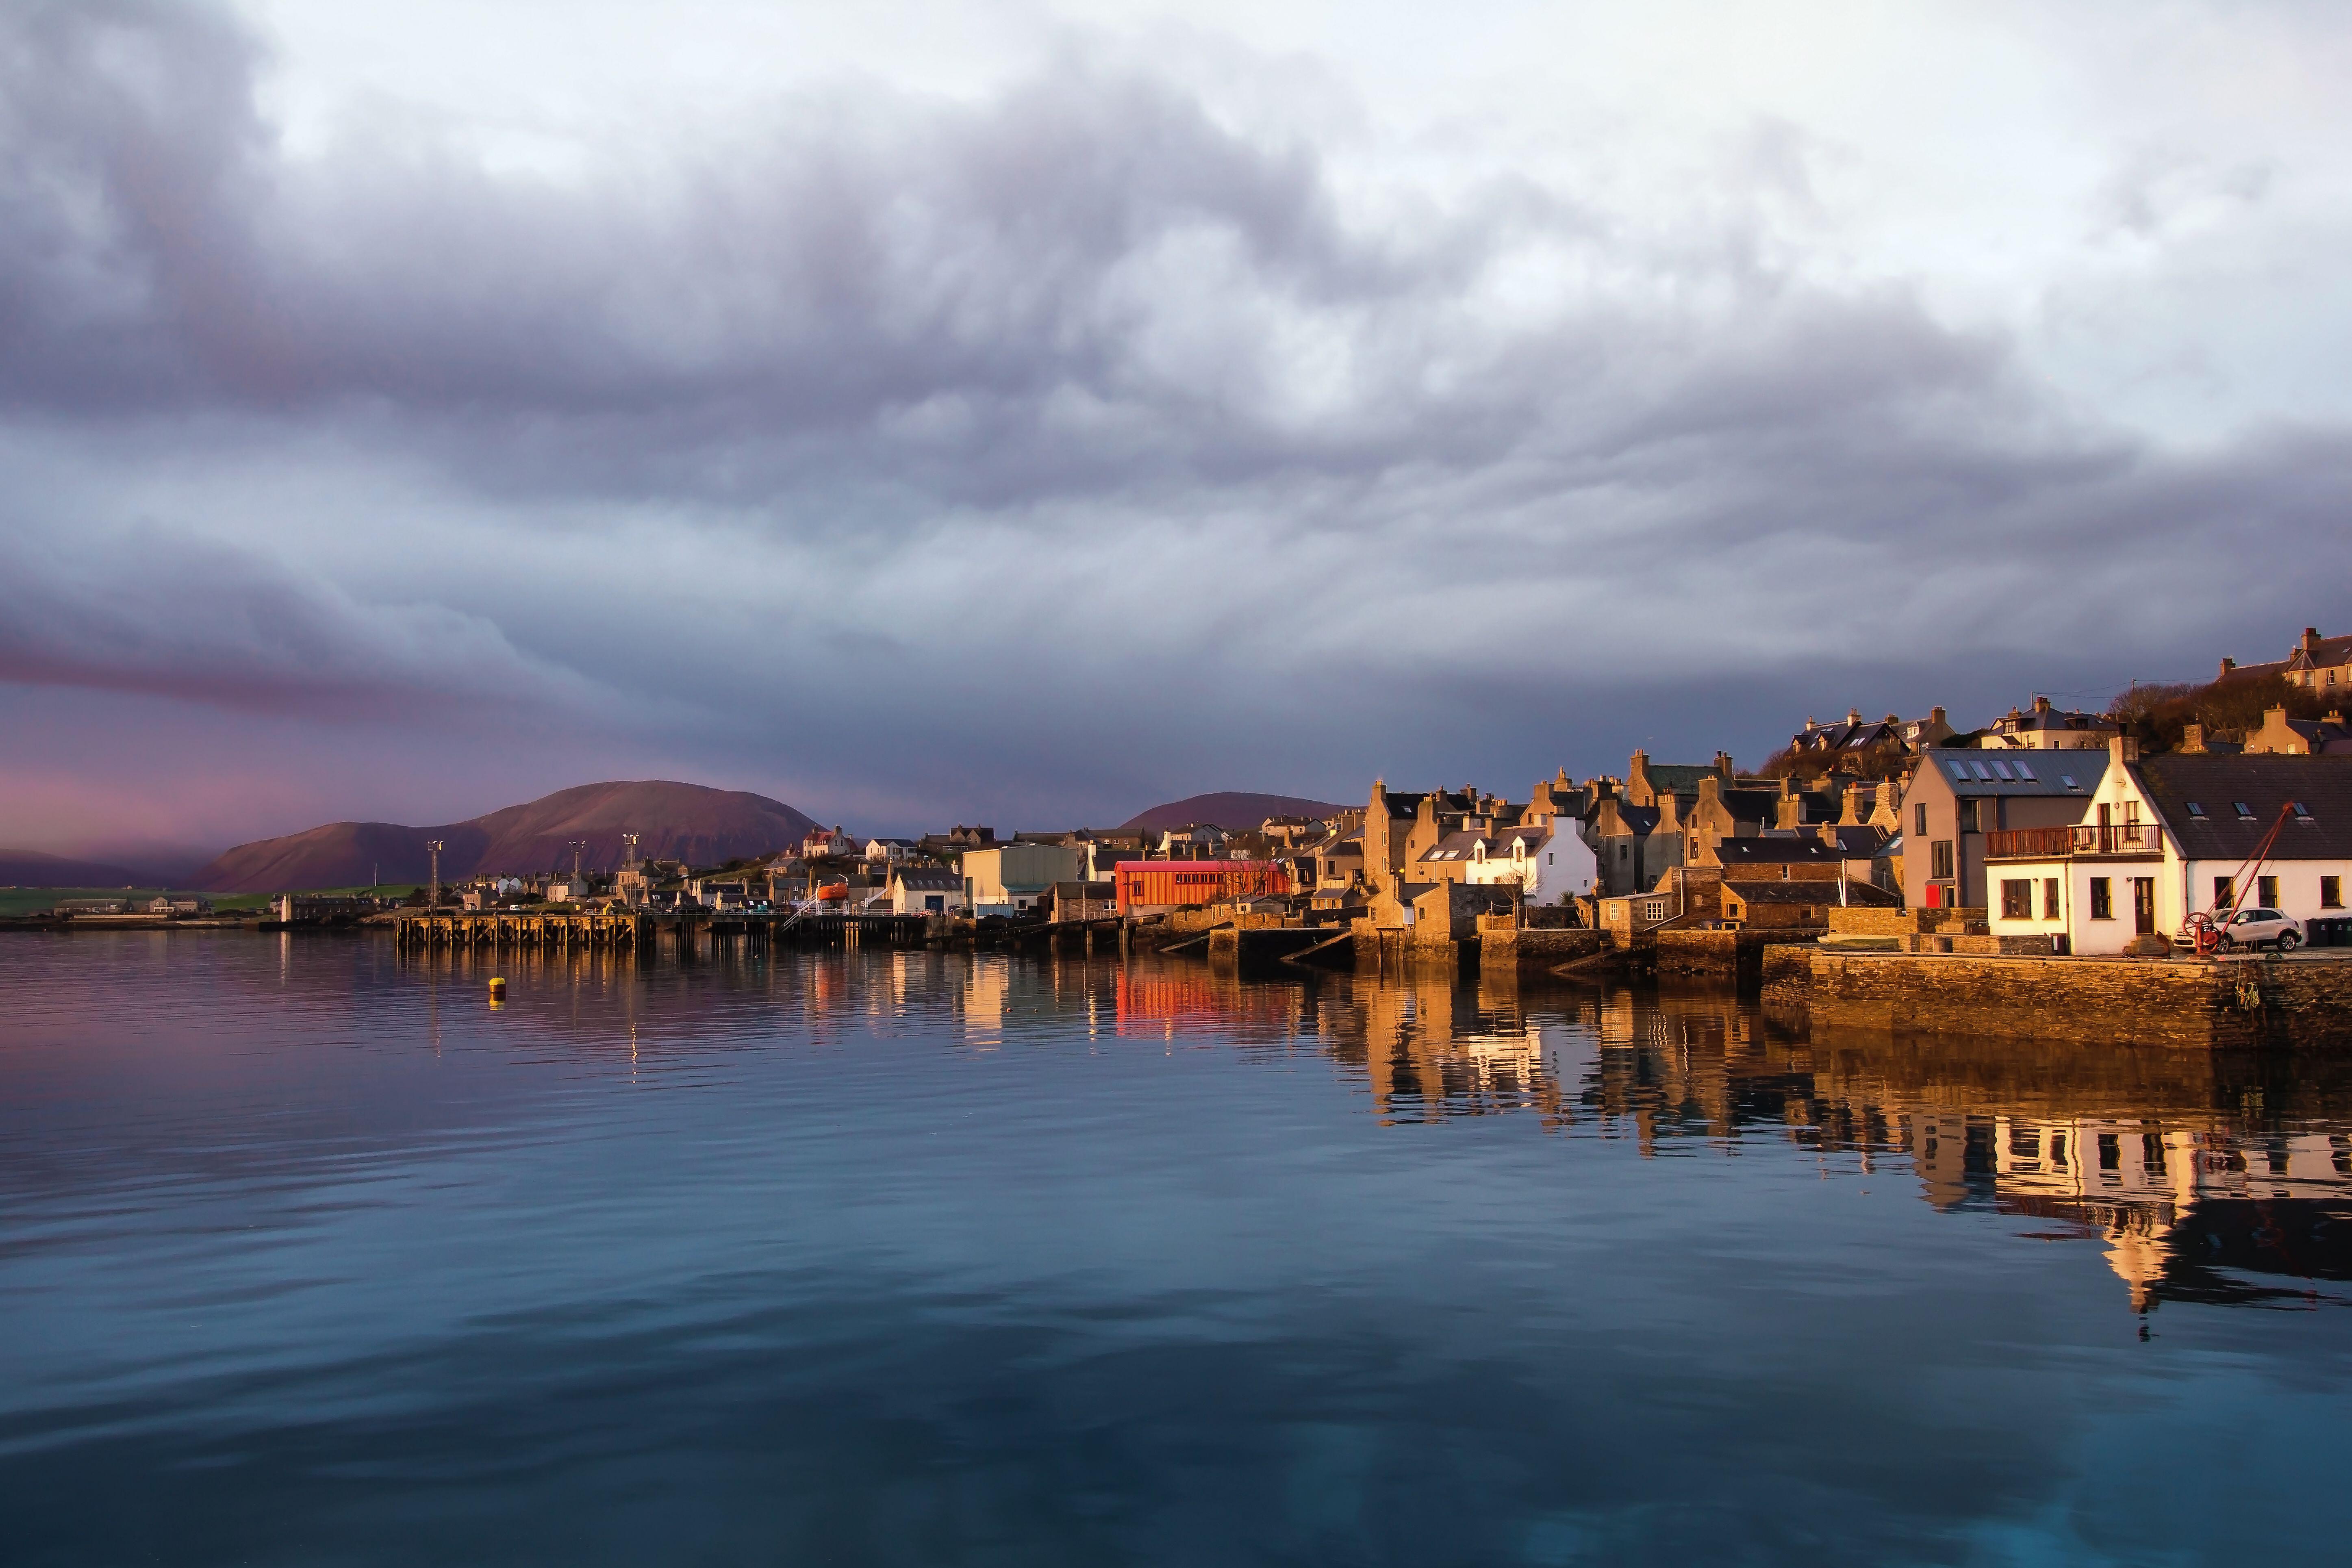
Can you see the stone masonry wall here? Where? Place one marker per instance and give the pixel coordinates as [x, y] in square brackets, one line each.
[2219, 1004]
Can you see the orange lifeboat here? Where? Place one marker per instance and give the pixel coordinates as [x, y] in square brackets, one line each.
[834, 893]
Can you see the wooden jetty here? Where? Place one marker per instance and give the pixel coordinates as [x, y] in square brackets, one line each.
[637, 930]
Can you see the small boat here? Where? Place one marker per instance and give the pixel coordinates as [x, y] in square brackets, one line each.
[833, 892]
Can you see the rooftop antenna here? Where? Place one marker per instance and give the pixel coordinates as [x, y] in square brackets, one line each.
[433, 848]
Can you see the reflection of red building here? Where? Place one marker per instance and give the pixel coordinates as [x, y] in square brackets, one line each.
[1168, 884]
[1191, 1000]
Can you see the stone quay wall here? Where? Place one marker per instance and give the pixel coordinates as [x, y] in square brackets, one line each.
[1531, 949]
[2214, 1005]
[1737, 953]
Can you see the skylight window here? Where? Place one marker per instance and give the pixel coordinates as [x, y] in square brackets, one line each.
[2302, 812]
[1960, 770]
[2002, 769]
[1980, 771]
[2243, 809]
[2197, 810]
[2025, 772]
[2068, 780]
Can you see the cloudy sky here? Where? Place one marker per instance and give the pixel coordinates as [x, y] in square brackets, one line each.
[1026, 412]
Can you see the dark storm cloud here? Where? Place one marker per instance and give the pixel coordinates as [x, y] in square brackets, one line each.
[155, 612]
[930, 393]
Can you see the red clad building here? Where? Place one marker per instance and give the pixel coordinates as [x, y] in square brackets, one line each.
[1165, 884]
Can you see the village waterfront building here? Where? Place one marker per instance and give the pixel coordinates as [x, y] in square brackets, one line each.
[925, 890]
[2163, 837]
[1956, 796]
[1158, 886]
[1012, 878]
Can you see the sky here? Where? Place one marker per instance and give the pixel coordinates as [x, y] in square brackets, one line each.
[1028, 413]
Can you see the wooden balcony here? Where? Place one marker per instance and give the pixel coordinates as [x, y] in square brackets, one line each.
[2112, 841]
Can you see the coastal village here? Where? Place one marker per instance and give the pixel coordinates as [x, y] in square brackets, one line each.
[2057, 831]
[2194, 821]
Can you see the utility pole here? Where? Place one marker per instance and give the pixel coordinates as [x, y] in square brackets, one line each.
[433, 848]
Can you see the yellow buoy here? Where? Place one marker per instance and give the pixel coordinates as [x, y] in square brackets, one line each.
[498, 990]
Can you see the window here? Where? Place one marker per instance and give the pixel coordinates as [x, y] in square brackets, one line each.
[2223, 888]
[2049, 898]
[2025, 772]
[1960, 770]
[2103, 898]
[2017, 900]
[2302, 812]
[2331, 892]
[1981, 774]
[1939, 858]
[2197, 810]
[1919, 820]
[2068, 780]
[2244, 810]
[2266, 892]
[2002, 769]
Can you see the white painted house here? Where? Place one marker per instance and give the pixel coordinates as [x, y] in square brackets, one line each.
[2163, 837]
[1548, 867]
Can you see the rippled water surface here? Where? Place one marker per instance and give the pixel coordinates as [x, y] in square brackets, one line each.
[308, 1256]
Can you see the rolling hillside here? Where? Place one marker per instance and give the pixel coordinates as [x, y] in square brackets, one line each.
[680, 821]
[1231, 810]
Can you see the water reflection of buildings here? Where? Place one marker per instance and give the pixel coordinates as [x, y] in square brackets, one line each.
[2205, 1178]
[2209, 1178]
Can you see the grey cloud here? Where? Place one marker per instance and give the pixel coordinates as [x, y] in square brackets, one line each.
[155, 611]
[1067, 424]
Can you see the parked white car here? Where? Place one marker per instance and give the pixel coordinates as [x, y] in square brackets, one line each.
[2251, 928]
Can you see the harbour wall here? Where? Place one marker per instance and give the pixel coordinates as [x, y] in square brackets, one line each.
[2303, 1002]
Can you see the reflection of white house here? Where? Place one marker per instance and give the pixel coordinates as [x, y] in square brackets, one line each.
[1548, 867]
[2137, 1181]
[2163, 837]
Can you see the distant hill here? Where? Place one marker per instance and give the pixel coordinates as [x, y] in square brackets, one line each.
[1231, 810]
[32, 868]
[674, 821]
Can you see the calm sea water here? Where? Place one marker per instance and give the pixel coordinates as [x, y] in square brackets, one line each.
[308, 1256]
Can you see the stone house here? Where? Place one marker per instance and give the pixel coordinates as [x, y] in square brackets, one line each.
[1717, 813]
[2046, 727]
[2284, 737]
[1646, 781]
[2320, 664]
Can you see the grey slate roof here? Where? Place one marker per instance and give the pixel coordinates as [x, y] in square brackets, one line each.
[2266, 784]
[2029, 772]
[1774, 852]
[929, 879]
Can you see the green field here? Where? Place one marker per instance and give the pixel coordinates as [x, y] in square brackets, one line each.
[28, 901]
